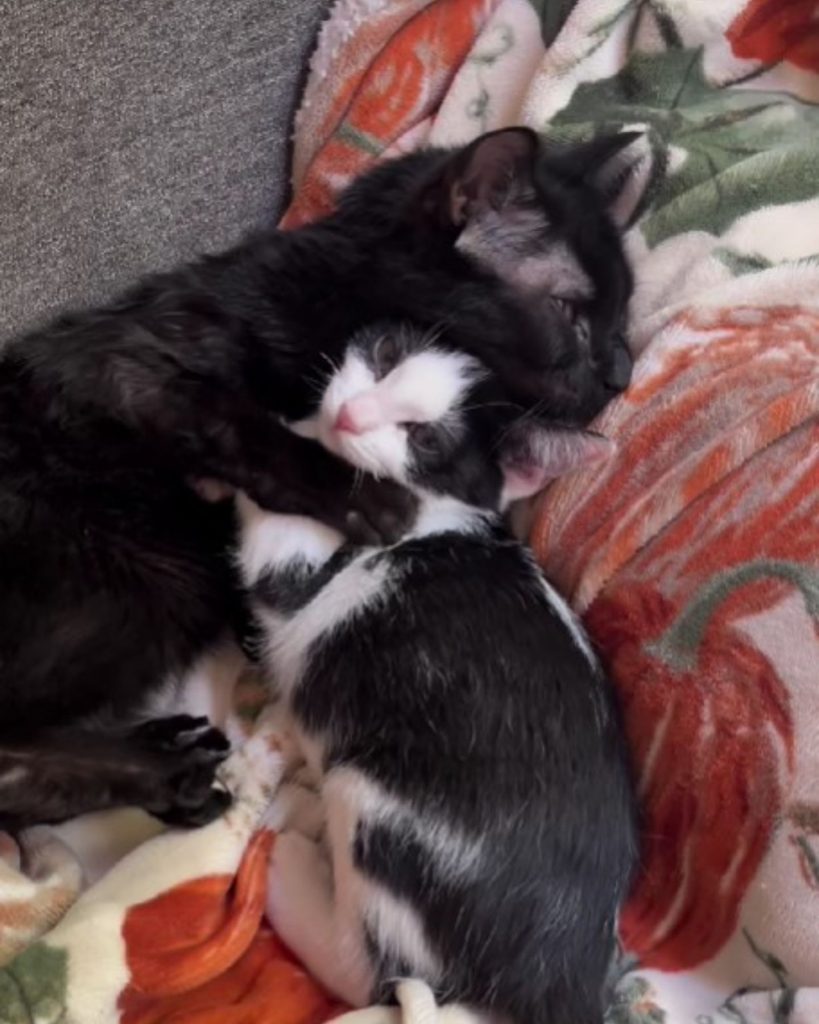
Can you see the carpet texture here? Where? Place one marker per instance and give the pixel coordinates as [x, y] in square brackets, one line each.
[136, 135]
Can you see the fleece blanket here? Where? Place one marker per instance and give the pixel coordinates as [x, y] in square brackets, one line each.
[694, 557]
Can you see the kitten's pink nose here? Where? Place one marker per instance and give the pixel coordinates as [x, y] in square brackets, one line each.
[346, 422]
[357, 416]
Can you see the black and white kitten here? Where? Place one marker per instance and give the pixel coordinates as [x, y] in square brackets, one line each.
[480, 817]
[113, 574]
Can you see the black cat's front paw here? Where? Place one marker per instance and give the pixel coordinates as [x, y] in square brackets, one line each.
[378, 512]
[184, 733]
[188, 752]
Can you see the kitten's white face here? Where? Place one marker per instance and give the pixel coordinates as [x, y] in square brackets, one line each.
[385, 399]
[403, 408]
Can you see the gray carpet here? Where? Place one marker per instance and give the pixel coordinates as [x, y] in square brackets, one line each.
[135, 134]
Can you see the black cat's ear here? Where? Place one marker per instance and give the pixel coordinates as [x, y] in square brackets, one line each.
[616, 166]
[488, 174]
[531, 455]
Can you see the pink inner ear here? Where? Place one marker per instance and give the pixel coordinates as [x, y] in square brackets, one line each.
[523, 481]
[547, 455]
[491, 166]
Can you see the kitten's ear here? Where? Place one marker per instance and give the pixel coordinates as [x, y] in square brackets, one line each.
[616, 166]
[489, 173]
[532, 455]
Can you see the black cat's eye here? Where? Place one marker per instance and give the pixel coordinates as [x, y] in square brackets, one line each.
[385, 355]
[566, 307]
[424, 435]
[575, 312]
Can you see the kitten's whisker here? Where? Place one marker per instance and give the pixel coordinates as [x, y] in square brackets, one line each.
[433, 334]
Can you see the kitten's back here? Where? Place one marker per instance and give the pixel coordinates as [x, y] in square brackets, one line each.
[479, 746]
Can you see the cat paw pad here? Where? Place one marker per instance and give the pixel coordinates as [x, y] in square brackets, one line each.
[185, 733]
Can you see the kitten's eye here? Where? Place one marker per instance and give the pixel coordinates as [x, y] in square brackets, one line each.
[424, 435]
[385, 355]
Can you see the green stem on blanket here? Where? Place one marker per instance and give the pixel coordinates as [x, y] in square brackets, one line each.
[679, 646]
[784, 1003]
[751, 75]
[361, 140]
[725, 120]
[773, 963]
[782, 1000]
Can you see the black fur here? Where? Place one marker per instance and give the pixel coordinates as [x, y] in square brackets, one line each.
[165, 766]
[113, 575]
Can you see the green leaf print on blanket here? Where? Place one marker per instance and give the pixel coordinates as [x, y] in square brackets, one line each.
[722, 152]
[780, 1001]
[32, 987]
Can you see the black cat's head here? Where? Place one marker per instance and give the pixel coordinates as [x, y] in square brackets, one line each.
[510, 248]
[403, 406]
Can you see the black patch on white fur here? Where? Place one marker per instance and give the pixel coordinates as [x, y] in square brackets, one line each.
[463, 695]
[287, 588]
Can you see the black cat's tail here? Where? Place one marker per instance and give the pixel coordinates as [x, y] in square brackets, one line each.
[166, 766]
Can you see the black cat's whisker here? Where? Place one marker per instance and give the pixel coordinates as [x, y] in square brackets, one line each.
[478, 406]
[526, 416]
[358, 480]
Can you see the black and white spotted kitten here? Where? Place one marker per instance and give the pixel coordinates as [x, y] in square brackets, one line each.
[113, 573]
[480, 817]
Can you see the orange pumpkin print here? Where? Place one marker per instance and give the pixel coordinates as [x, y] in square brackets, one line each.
[711, 735]
[402, 86]
[199, 954]
[775, 30]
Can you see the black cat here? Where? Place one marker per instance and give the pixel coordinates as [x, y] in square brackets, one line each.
[113, 572]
